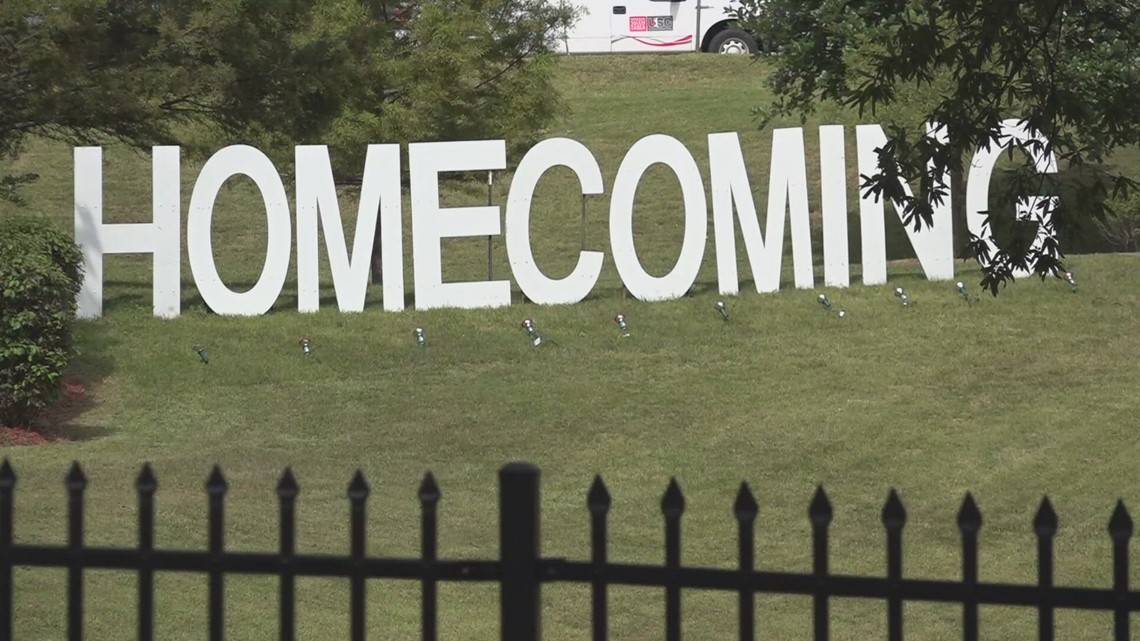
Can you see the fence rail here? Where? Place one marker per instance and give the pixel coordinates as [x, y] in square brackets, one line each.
[521, 570]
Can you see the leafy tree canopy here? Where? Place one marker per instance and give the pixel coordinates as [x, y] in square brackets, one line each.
[273, 73]
[1069, 70]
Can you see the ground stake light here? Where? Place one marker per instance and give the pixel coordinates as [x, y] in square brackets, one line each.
[622, 325]
[722, 309]
[901, 294]
[1072, 281]
[306, 346]
[963, 293]
[419, 334]
[202, 355]
[531, 333]
[823, 300]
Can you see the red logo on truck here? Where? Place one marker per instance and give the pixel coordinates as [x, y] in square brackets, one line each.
[638, 23]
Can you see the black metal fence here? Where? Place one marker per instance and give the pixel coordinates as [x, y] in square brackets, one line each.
[521, 570]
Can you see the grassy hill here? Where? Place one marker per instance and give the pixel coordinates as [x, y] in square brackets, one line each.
[1029, 393]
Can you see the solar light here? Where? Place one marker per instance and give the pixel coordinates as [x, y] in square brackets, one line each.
[900, 293]
[963, 293]
[531, 333]
[842, 314]
[622, 325]
[202, 355]
[306, 346]
[723, 309]
[823, 300]
[419, 334]
[1072, 281]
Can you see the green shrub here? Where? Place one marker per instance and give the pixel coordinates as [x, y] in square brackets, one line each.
[40, 276]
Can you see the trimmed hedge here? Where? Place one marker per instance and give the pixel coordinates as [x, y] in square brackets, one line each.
[40, 277]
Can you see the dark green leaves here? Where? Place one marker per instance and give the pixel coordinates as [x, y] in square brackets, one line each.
[1064, 68]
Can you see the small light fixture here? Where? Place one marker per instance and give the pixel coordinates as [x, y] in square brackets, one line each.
[963, 293]
[722, 309]
[1072, 281]
[623, 327]
[823, 300]
[202, 355]
[900, 293]
[531, 333]
[419, 334]
[306, 345]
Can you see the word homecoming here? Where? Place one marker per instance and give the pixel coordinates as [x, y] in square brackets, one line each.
[380, 203]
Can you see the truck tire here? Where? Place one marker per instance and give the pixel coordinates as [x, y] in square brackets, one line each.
[733, 42]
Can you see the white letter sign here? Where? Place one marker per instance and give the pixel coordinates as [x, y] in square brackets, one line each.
[380, 204]
[668, 151]
[537, 287]
[316, 193]
[160, 238]
[232, 161]
[431, 223]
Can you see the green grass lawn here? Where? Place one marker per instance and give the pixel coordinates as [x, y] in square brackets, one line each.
[1012, 398]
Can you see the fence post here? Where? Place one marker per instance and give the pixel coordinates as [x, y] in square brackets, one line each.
[76, 482]
[1045, 525]
[969, 522]
[819, 512]
[145, 486]
[519, 591]
[1120, 528]
[7, 484]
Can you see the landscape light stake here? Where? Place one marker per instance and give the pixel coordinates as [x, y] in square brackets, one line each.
[202, 355]
[531, 333]
[419, 334]
[900, 293]
[823, 300]
[963, 293]
[623, 327]
[306, 346]
[722, 309]
[1072, 282]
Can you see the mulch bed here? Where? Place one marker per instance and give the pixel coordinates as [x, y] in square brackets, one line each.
[14, 436]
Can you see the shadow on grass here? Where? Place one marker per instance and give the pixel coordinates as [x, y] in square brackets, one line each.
[80, 391]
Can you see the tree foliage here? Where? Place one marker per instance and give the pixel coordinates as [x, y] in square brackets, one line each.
[1067, 69]
[273, 72]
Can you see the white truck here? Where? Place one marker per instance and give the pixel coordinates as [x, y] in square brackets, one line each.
[657, 26]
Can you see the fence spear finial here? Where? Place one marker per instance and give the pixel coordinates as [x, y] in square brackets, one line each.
[598, 499]
[429, 491]
[287, 487]
[673, 502]
[146, 482]
[7, 475]
[745, 507]
[75, 478]
[216, 484]
[969, 517]
[894, 514]
[1120, 525]
[1045, 522]
[820, 509]
[358, 489]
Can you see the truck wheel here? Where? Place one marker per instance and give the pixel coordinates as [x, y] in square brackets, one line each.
[733, 42]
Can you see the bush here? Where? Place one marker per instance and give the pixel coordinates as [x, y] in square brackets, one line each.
[40, 277]
[1121, 225]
